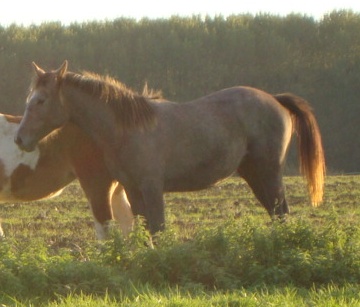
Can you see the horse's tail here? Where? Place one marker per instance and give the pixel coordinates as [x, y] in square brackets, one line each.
[311, 154]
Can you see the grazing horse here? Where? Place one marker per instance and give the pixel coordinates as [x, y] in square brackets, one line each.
[59, 158]
[155, 147]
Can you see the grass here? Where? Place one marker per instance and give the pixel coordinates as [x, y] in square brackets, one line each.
[219, 249]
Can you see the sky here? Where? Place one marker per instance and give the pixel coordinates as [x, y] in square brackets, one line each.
[27, 12]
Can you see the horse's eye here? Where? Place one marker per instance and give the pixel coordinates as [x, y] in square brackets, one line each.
[40, 101]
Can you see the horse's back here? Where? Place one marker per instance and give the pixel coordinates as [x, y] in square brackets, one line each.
[234, 113]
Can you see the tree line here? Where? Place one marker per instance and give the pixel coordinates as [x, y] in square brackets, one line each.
[189, 57]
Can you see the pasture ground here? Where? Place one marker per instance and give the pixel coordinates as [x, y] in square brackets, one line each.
[220, 249]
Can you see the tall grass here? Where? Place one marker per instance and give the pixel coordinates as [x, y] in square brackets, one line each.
[311, 260]
[229, 257]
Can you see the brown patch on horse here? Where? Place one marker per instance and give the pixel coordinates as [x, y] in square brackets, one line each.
[12, 118]
[312, 160]
[131, 109]
[19, 176]
[24, 190]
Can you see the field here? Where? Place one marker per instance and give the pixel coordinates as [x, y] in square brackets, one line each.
[220, 249]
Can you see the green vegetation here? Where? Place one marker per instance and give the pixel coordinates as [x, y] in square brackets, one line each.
[193, 56]
[220, 249]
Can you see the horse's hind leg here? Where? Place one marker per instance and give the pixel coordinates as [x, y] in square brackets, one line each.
[265, 180]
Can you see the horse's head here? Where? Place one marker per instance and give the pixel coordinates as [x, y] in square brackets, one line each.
[44, 108]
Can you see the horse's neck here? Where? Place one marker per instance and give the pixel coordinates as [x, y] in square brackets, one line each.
[93, 117]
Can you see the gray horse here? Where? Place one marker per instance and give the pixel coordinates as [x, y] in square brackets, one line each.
[154, 147]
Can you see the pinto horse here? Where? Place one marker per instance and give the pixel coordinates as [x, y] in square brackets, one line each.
[155, 147]
[58, 159]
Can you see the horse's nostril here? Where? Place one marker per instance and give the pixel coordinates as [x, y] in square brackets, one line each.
[18, 140]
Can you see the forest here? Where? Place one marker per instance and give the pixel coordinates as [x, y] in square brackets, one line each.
[189, 57]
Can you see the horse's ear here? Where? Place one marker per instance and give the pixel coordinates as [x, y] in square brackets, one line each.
[62, 69]
[38, 70]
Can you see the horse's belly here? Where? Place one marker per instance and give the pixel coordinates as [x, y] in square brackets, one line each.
[199, 170]
[197, 178]
[188, 184]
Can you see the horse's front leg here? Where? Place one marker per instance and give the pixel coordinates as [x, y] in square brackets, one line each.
[148, 201]
[98, 187]
[98, 194]
[281, 210]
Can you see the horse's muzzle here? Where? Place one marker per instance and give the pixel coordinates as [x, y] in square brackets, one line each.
[19, 142]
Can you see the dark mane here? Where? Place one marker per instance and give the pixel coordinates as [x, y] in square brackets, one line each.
[131, 109]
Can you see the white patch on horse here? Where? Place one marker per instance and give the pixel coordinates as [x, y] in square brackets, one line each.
[100, 230]
[10, 155]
